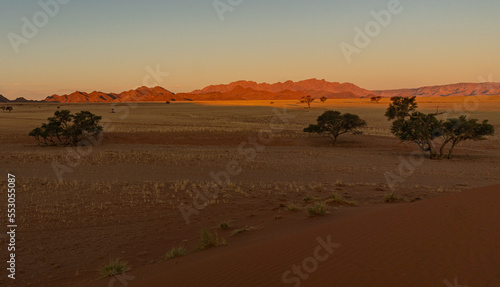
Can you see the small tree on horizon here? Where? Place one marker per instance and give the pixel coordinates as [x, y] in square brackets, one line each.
[307, 100]
[376, 99]
[323, 99]
[333, 124]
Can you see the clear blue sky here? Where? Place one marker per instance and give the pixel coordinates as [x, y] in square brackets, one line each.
[107, 45]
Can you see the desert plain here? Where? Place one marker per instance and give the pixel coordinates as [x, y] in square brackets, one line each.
[139, 191]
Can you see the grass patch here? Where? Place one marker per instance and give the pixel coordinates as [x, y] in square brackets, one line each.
[175, 252]
[224, 225]
[209, 239]
[308, 198]
[337, 198]
[115, 267]
[242, 230]
[292, 207]
[318, 209]
[392, 197]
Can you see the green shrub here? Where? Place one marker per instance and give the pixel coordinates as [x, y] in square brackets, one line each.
[67, 129]
[175, 252]
[114, 267]
[209, 239]
[392, 197]
[318, 209]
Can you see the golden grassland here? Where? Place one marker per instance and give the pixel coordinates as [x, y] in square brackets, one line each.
[153, 157]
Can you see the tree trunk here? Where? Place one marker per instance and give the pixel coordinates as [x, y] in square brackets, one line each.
[432, 150]
[441, 150]
[450, 153]
[334, 140]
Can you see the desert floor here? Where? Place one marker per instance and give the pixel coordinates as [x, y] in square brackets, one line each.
[124, 196]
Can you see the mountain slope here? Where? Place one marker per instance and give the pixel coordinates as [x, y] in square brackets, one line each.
[311, 87]
[142, 94]
[4, 99]
[461, 89]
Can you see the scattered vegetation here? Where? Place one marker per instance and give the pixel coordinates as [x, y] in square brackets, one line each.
[323, 99]
[6, 108]
[308, 198]
[66, 129]
[209, 239]
[392, 197]
[175, 252]
[292, 207]
[337, 198]
[318, 209]
[333, 124]
[242, 230]
[425, 129]
[224, 225]
[114, 267]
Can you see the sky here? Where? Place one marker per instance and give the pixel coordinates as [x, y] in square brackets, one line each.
[60, 46]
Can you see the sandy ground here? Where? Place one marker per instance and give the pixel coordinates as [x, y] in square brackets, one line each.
[122, 197]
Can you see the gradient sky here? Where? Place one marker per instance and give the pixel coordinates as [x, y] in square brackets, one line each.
[107, 45]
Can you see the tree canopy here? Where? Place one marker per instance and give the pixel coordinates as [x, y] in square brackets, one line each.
[65, 128]
[333, 124]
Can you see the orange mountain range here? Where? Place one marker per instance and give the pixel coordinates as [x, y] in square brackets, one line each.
[247, 90]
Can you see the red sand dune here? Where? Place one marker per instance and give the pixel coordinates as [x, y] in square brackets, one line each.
[426, 243]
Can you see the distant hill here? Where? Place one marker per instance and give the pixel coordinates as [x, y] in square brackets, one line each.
[4, 99]
[142, 94]
[22, 100]
[247, 90]
[462, 89]
[241, 90]
[18, 100]
[313, 87]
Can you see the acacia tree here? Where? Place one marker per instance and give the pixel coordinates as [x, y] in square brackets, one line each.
[376, 99]
[461, 129]
[323, 99]
[424, 129]
[66, 129]
[333, 124]
[307, 100]
[9, 108]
